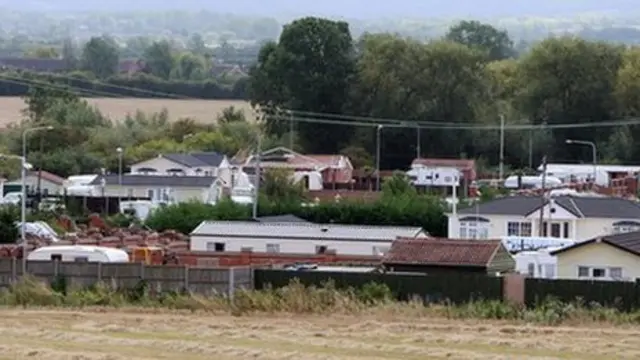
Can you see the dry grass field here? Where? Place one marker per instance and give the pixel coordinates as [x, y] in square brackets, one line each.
[118, 108]
[112, 334]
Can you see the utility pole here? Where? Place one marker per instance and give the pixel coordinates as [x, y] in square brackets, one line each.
[418, 145]
[542, 196]
[290, 131]
[501, 147]
[256, 186]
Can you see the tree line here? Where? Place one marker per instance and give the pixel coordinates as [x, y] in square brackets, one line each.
[562, 88]
[162, 70]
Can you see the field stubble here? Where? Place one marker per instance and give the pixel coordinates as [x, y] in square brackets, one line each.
[163, 334]
[117, 108]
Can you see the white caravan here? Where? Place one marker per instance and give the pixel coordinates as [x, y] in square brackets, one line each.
[79, 253]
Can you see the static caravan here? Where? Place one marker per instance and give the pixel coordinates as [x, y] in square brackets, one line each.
[79, 253]
[537, 264]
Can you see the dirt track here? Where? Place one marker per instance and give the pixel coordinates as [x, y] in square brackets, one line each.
[57, 335]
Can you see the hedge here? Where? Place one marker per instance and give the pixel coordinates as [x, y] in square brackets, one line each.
[138, 86]
[420, 211]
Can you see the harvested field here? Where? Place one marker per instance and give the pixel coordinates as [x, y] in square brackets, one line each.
[118, 108]
[111, 334]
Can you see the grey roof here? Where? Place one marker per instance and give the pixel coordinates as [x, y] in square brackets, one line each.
[629, 242]
[288, 218]
[580, 206]
[196, 159]
[303, 231]
[156, 180]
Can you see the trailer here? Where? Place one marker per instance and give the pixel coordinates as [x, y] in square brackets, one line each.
[79, 253]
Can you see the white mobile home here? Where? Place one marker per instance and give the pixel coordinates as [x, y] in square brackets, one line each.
[297, 238]
[79, 253]
[537, 264]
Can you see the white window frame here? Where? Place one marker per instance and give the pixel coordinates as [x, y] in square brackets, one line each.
[623, 229]
[519, 228]
[474, 230]
[615, 273]
[273, 248]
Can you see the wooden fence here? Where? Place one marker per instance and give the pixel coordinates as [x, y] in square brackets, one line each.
[452, 288]
[623, 295]
[160, 278]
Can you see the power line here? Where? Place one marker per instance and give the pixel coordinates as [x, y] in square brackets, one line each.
[387, 123]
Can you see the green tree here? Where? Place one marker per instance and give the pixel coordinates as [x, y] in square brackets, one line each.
[495, 43]
[100, 56]
[159, 59]
[190, 66]
[278, 185]
[570, 80]
[398, 185]
[309, 69]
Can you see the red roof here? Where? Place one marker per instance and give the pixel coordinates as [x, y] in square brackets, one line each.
[48, 176]
[442, 252]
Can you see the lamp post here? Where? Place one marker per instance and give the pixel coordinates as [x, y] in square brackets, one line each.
[378, 135]
[257, 172]
[23, 205]
[594, 153]
[120, 151]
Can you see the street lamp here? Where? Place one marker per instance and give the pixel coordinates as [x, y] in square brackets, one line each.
[23, 205]
[378, 135]
[120, 151]
[594, 153]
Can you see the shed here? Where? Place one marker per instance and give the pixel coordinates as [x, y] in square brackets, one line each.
[434, 255]
[297, 238]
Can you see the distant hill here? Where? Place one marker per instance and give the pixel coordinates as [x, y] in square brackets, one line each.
[363, 9]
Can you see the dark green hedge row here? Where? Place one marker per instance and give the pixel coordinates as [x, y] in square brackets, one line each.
[139, 86]
[418, 211]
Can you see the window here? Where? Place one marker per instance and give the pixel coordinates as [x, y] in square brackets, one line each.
[583, 271]
[273, 248]
[215, 246]
[321, 249]
[599, 273]
[474, 228]
[615, 273]
[555, 230]
[566, 230]
[519, 229]
[622, 227]
[56, 257]
[129, 192]
[45, 192]
[531, 270]
[549, 271]
[150, 194]
[81, 259]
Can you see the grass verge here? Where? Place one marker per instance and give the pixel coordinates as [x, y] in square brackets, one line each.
[299, 299]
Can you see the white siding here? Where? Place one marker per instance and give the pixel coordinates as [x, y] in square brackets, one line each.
[162, 165]
[301, 238]
[237, 244]
[597, 255]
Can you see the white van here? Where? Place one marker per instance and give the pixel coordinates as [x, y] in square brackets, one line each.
[79, 253]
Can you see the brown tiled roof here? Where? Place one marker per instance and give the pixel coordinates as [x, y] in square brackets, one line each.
[48, 176]
[441, 252]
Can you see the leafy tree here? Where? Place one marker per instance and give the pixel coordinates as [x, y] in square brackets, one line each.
[159, 59]
[398, 185]
[8, 229]
[495, 43]
[570, 80]
[100, 56]
[309, 69]
[278, 185]
[190, 66]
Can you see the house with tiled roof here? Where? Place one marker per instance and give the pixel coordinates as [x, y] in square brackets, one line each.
[576, 217]
[160, 188]
[187, 164]
[49, 183]
[438, 256]
[324, 170]
[609, 257]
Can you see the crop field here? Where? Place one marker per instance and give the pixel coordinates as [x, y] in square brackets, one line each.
[117, 108]
[160, 334]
